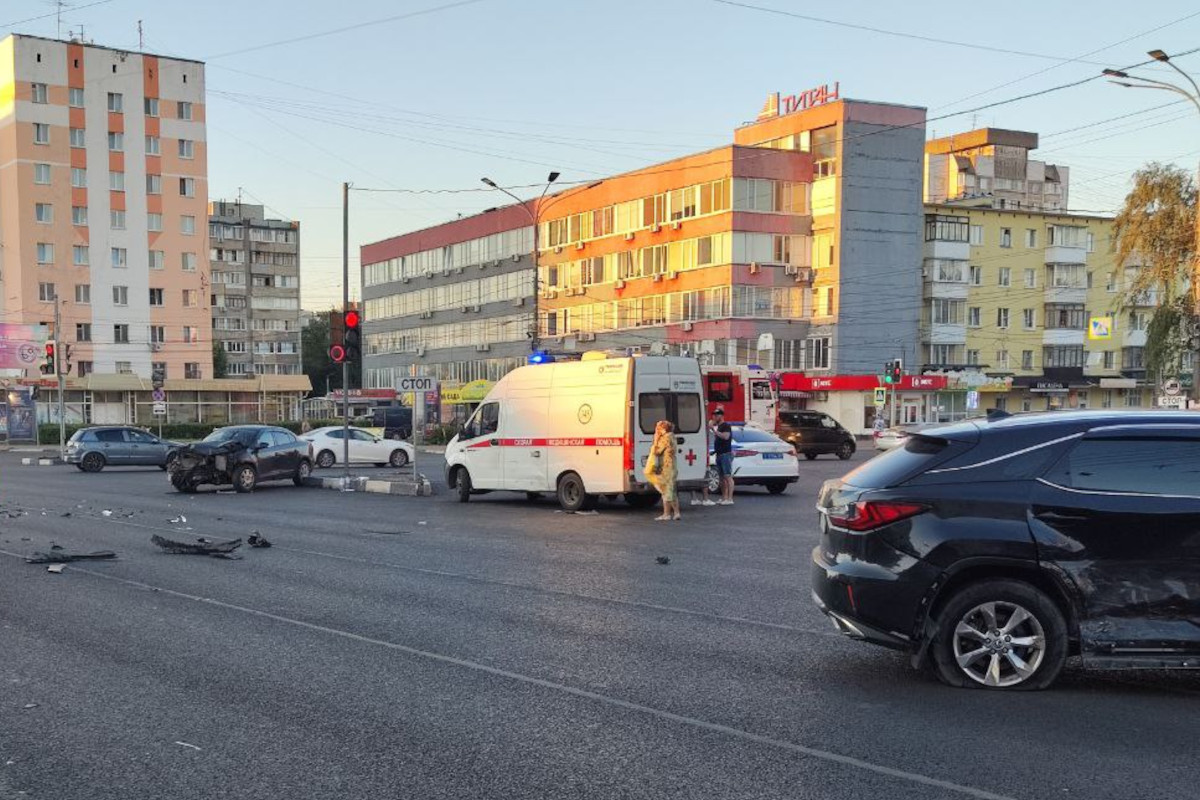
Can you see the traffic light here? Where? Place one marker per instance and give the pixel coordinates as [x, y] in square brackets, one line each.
[897, 371]
[888, 372]
[352, 334]
[158, 376]
[337, 335]
[48, 365]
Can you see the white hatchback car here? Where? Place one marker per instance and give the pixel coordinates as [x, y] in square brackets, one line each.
[759, 459]
[327, 445]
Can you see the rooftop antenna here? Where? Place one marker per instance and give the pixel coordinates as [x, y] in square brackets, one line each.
[141, 37]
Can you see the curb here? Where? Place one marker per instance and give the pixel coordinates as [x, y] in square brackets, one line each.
[414, 488]
[41, 462]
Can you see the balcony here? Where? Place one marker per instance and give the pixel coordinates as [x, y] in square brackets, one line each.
[1132, 338]
[943, 333]
[1063, 254]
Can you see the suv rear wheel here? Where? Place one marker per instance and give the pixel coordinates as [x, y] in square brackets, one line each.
[1000, 634]
[845, 450]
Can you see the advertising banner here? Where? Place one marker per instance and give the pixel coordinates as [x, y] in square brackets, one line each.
[21, 345]
[22, 415]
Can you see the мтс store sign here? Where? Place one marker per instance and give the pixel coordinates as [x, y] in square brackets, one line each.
[810, 98]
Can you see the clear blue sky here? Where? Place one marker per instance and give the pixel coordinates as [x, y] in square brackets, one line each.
[513, 88]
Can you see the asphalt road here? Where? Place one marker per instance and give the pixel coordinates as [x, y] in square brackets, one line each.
[415, 647]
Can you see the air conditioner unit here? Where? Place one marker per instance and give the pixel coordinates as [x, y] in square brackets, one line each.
[466, 309]
[755, 268]
[629, 236]
[579, 245]
[426, 314]
[676, 226]
[687, 326]
[496, 263]
[475, 308]
[483, 265]
[482, 348]
[405, 279]
[420, 352]
[519, 301]
[619, 284]
[516, 257]
[658, 278]
[655, 228]
[429, 274]
[672, 275]
[558, 249]
[587, 337]
[155, 346]
[804, 274]
[791, 270]
[458, 270]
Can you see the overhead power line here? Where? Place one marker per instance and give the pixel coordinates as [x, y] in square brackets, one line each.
[53, 14]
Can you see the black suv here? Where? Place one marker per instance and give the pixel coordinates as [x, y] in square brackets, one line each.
[814, 433]
[993, 550]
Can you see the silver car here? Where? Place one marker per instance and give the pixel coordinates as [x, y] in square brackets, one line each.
[93, 449]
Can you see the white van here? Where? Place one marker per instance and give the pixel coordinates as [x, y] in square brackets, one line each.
[581, 429]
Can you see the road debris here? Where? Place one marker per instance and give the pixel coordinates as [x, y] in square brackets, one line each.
[30, 705]
[56, 568]
[106, 513]
[663, 560]
[181, 519]
[256, 540]
[185, 744]
[62, 557]
[200, 547]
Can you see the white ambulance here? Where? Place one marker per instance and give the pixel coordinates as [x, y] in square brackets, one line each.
[581, 429]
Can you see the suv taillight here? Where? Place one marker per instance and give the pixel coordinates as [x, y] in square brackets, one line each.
[867, 515]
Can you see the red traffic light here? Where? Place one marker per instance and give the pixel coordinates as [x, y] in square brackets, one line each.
[50, 349]
[352, 319]
[337, 354]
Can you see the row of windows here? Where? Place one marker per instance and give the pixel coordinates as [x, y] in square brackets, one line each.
[1058, 276]
[944, 228]
[458, 334]
[259, 257]
[1132, 358]
[456, 372]
[40, 93]
[117, 219]
[220, 231]
[481, 251]
[116, 141]
[118, 257]
[1057, 316]
[261, 348]
[120, 295]
[761, 302]
[714, 197]
[191, 369]
[463, 294]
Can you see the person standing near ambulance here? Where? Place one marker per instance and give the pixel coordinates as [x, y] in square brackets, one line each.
[662, 470]
[723, 450]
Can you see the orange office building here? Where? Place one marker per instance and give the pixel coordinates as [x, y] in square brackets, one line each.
[781, 249]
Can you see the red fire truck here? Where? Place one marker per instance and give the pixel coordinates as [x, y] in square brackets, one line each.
[748, 394]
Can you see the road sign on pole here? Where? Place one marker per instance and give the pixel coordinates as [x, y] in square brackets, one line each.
[421, 384]
[160, 408]
[1172, 387]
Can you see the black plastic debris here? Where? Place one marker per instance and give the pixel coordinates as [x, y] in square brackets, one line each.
[200, 547]
[62, 557]
[257, 540]
[664, 560]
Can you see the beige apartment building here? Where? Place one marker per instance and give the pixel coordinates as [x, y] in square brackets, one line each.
[103, 205]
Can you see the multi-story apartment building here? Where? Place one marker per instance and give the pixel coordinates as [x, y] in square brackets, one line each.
[993, 165]
[775, 251]
[103, 193]
[255, 289]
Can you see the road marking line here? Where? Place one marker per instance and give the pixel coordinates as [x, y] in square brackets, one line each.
[735, 733]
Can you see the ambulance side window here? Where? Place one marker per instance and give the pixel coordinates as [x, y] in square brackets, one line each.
[471, 429]
[688, 415]
[489, 419]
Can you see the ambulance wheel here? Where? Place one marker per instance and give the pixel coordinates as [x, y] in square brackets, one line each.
[571, 494]
[463, 484]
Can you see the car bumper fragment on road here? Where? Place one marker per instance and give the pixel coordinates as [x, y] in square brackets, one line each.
[420, 487]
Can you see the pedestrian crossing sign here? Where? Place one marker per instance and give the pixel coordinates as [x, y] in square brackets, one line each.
[1100, 328]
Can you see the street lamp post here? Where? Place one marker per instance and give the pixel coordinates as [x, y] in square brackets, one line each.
[534, 340]
[1129, 81]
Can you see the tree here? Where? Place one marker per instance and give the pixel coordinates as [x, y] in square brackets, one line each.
[220, 361]
[321, 371]
[1155, 231]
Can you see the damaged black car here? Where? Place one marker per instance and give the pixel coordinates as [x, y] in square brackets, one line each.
[993, 550]
[241, 455]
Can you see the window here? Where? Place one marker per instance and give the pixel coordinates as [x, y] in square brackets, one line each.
[818, 351]
[75, 98]
[156, 297]
[1071, 316]
[79, 255]
[1133, 398]
[1030, 278]
[43, 212]
[186, 148]
[1006, 276]
[1028, 320]
[977, 276]
[1001, 317]
[1108, 361]
[83, 331]
[940, 228]
[720, 388]
[1067, 236]
[189, 262]
[684, 410]
[158, 334]
[153, 146]
[972, 358]
[45, 253]
[973, 317]
[185, 110]
[187, 187]
[154, 222]
[116, 181]
[189, 298]
[78, 177]
[41, 173]
[1006, 237]
[116, 220]
[85, 368]
[79, 215]
[78, 137]
[1001, 359]
[46, 292]
[1026, 359]
[116, 142]
[121, 334]
[157, 259]
[976, 234]
[120, 295]
[1145, 466]
[1133, 358]
[1063, 356]
[119, 257]
[1031, 237]
[116, 102]
[83, 293]
[124, 367]
[1091, 242]
[187, 225]
[39, 93]
[189, 334]
[151, 106]
[41, 133]
[191, 371]
[154, 184]
[946, 312]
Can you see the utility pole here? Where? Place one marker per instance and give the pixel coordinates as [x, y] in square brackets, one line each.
[58, 373]
[346, 363]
